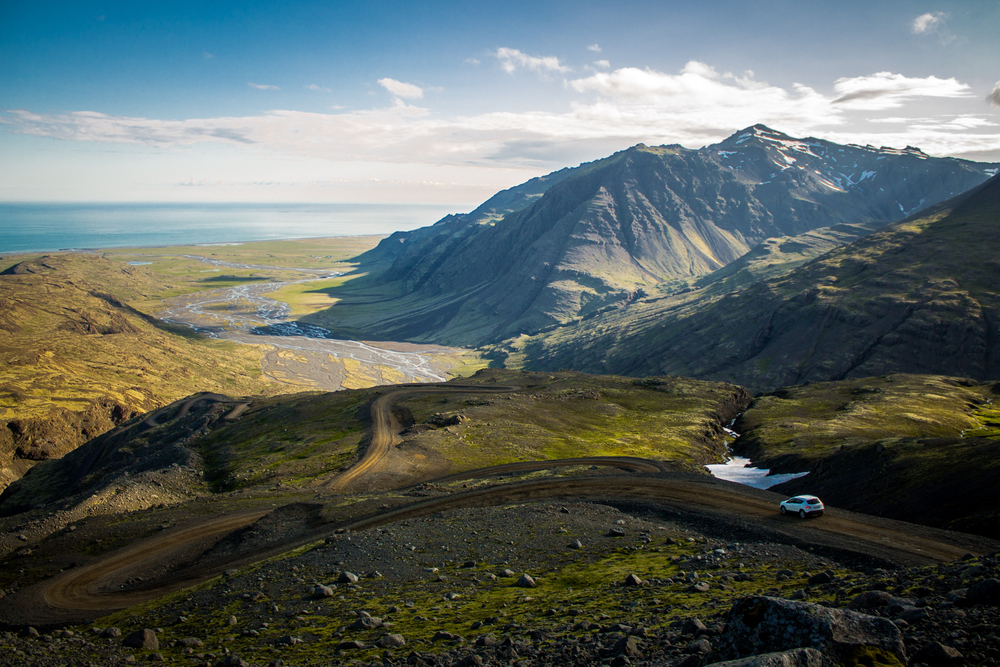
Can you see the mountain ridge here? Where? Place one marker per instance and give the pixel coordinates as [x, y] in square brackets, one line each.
[598, 234]
[915, 297]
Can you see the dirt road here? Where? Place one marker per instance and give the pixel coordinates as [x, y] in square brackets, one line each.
[96, 589]
[385, 429]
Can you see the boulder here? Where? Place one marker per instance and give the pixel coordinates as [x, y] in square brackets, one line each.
[821, 578]
[936, 654]
[366, 623]
[800, 657]
[321, 591]
[870, 602]
[986, 592]
[526, 581]
[144, 638]
[632, 580]
[762, 624]
[347, 578]
[391, 641]
[628, 647]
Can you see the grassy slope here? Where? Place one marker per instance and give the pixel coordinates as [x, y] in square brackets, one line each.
[919, 296]
[75, 359]
[912, 447]
[584, 344]
[306, 438]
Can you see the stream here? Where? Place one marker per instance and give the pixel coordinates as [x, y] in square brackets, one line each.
[737, 468]
[300, 354]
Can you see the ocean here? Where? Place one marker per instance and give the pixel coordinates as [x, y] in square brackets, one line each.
[33, 227]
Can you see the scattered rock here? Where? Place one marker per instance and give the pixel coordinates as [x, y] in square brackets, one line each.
[526, 581]
[347, 578]
[321, 591]
[937, 655]
[627, 646]
[985, 592]
[189, 642]
[391, 641]
[632, 580]
[144, 638]
[870, 602]
[366, 623]
[821, 578]
[693, 626]
[576, 544]
[616, 531]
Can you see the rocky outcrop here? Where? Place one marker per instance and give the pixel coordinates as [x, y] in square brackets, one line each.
[763, 624]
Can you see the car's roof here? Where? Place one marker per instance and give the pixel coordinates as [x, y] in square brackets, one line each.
[805, 497]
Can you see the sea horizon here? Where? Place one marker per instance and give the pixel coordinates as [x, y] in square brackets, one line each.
[30, 227]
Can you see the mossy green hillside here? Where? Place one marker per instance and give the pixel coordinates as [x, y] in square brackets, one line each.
[810, 422]
[293, 440]
[567, 415]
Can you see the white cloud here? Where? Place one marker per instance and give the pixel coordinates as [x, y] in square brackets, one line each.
[313, 86]
[994, 97]
[262, 86]
[928, 22]
[208, 56]
[400, 89]
[512, 59]
[595, 48]
[885, 90]
[700, 99]
[602, 63]
[693, 107]
[472, 61]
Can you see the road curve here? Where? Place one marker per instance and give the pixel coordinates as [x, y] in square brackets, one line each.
[626, 463]
[385, 429]
[95, 589]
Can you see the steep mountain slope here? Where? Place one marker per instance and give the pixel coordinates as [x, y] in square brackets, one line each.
[921, 296]
[605, 231]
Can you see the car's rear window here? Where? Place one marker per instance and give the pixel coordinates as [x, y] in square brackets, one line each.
[812, 500]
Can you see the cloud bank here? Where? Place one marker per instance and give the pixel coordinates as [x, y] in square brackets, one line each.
[613, 109]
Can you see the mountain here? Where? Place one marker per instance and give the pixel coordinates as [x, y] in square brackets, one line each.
[599, 235]
[920, 296]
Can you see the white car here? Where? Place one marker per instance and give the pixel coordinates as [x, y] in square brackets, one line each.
[802, 505]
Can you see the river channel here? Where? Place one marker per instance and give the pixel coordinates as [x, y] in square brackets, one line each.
[302, 355]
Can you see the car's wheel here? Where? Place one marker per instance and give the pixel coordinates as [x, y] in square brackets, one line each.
[802, 514]
[783, 510]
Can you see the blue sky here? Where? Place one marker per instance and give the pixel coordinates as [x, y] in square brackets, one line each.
[447, 102]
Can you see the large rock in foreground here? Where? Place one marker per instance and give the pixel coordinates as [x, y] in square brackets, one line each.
[760, 624]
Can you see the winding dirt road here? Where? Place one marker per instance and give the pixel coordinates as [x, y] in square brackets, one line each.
[90, 591]
[385, 428]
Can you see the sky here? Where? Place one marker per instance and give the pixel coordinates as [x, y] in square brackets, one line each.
[448, 102]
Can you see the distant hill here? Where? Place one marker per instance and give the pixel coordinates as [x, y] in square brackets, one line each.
[76, 360]
[581, 240]
[920, 296]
